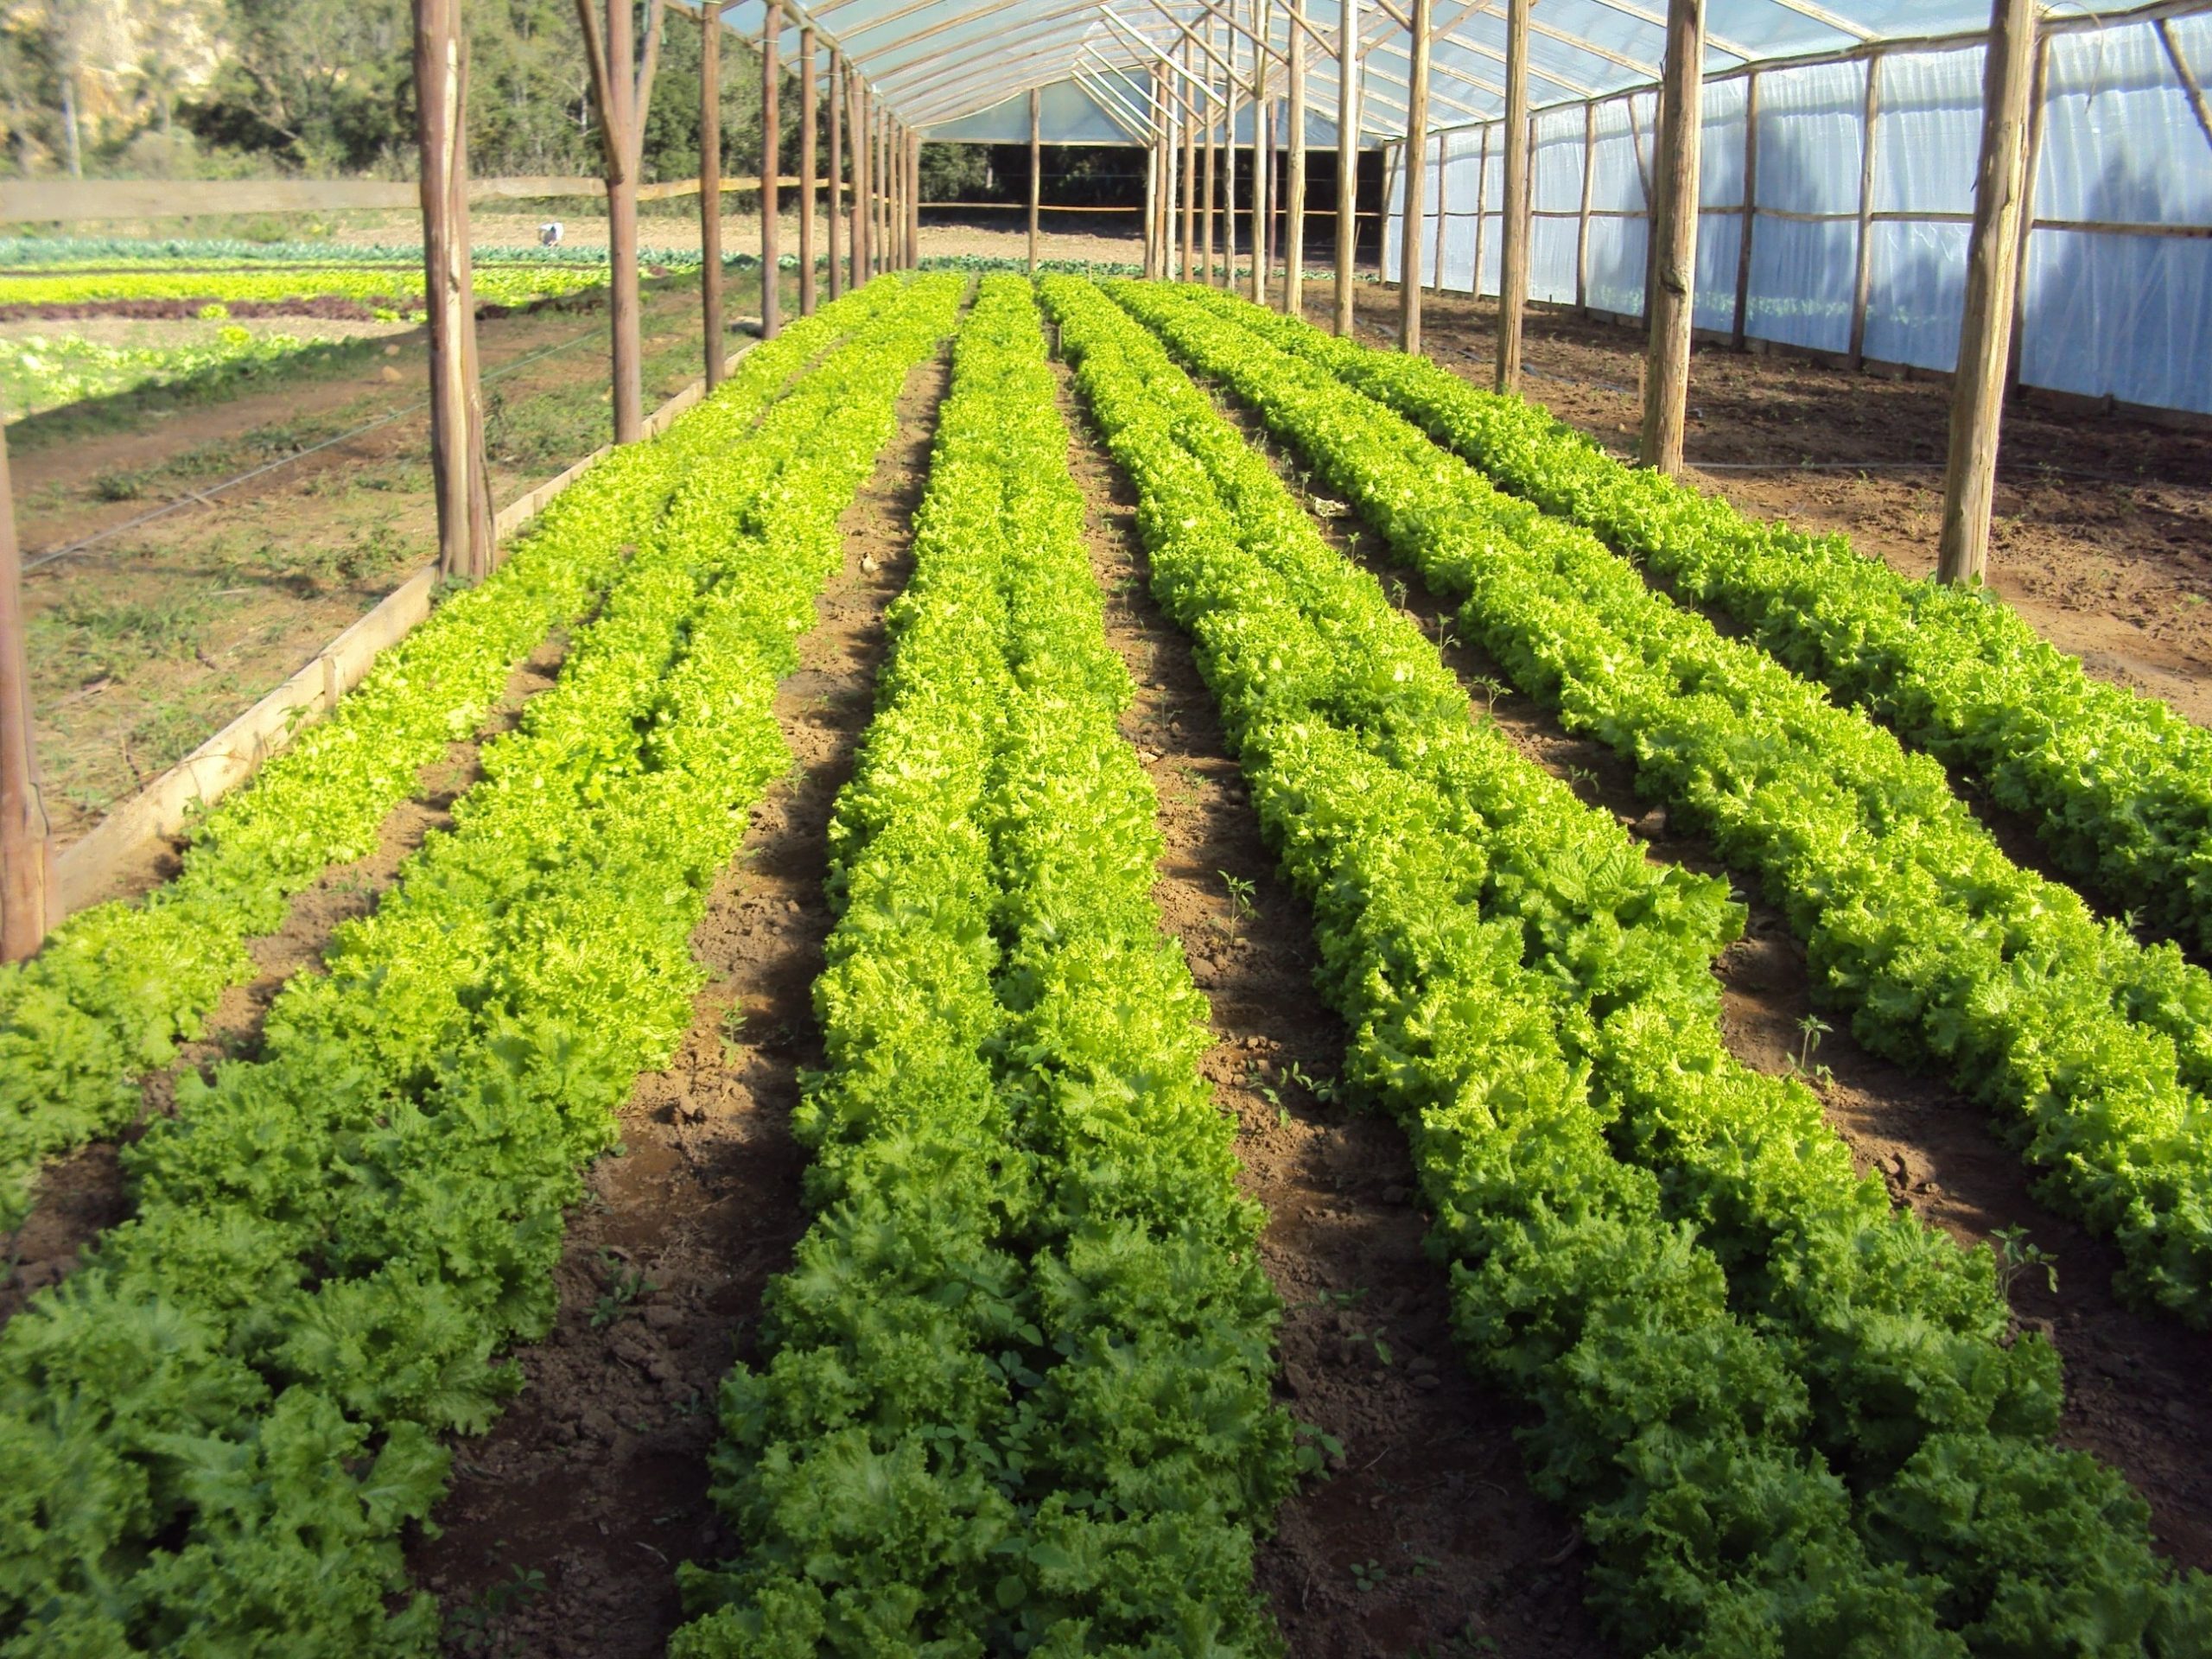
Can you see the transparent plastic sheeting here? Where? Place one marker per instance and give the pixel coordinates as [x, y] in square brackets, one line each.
[2126, 316]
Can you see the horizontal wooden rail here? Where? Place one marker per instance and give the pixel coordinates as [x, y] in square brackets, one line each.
[38, 200]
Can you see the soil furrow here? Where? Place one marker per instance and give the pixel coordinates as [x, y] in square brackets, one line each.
[564, 1524]
[1424, 1533]
[2134, 1393]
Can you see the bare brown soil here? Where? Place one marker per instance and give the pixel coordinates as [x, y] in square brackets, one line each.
[564, 1524]
[80, 1195]
[999, 234]
[1426, 1529]
[145, 643]
[2134, 1382]
[2102, 536]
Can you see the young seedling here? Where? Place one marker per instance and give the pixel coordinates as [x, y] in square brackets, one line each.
[475, 1622]
[626, 1284]
[1241, 892]
[1368, 1575]
[1256, 1081]
[1810, 1030]
[2018, 1254]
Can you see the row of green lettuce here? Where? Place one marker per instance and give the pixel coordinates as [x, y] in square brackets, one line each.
[216, 1429]
[1792, 1422]
[39, 372]
[2095, 1052]
[2119, 784]
[1015, 1390]
[509, 285]
[103, 252]
[116, 985]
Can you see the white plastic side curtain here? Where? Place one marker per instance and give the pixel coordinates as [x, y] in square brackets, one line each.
[1930, 118]
[2118, 314]
[1804, 237]
[1720, 225]
[2123, 317]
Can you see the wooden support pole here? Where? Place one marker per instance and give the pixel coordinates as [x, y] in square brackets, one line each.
[711, 323]
[1993, 273]
[1262, 136]
[1152, 209]
[1036, 172]
[1582, 219]
[465, 541]
[772, 149]
[809, 116]
[621, 82]
[913, 200]
[1436, 265]
[1210, 189]
[1271, 178]
[1190, 180]
[1413, 151]
[2036, 98]
[1293, 178]
[1347, 159]
[1752, 206]
[863, 244]
[878, 174]
[1164, 139]
[1672, 283]
[1482, 214]
[1229, 176]
[1862, 278]
[1515, 225]
[29, 898]
[834, 95]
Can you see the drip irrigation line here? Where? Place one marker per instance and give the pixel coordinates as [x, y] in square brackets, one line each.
[39, 562]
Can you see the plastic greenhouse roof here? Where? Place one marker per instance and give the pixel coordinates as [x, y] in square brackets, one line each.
[962, 69]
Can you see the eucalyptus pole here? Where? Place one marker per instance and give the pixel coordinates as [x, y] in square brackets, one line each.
[1415, 163]
[1191, 119]
[1992, 276]
[834, 95]
[1036, 164]
[1294, 182]
[710, 189]
[1211, 184]
[1513, 250]
[1228, 174]
[457, 471]
[808, 115]
[1347, 159]
[622, 85]
[1672, 282]
[914, 198]
[878, 174]
[863, 244]
[772, 135]
[29, 899]
[1261, 137]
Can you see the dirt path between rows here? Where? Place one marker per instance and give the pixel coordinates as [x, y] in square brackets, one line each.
[1427, 1531]
[565, 1523]
[2134, 1382]
[2101, 534]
